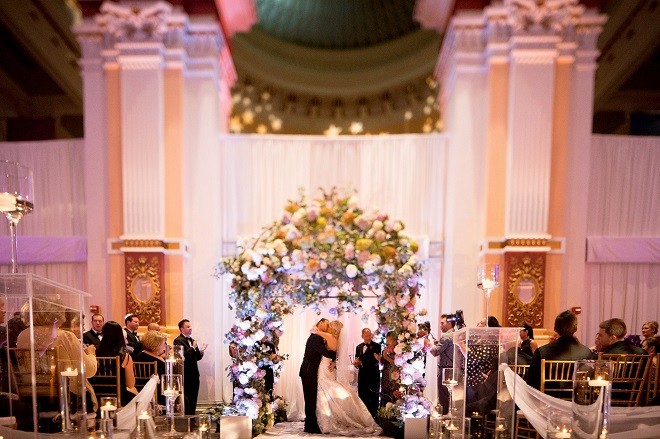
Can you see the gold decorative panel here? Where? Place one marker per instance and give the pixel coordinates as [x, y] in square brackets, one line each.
[143, 286]
[525, 288]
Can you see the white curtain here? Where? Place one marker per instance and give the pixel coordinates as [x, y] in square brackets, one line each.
[624, 202]
[58, 219]
[403, 176]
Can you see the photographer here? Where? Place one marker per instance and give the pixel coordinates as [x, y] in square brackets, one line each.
[444, 350]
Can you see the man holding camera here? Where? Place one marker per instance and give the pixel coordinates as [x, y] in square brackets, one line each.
[444, 350]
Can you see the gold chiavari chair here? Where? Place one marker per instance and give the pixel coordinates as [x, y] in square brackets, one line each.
[557, 378]
[107, 380]
[46, 384]
[653, 388]
[629, 376]
[524, 430]
[144, 370]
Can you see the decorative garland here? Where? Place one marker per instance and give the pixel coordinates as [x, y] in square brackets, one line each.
[324, 248]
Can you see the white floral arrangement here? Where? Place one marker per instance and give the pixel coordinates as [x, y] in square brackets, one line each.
[323, 248]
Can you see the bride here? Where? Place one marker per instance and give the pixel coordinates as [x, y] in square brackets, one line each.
[339, 409]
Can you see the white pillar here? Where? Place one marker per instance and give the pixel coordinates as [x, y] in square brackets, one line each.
[578, 164]
[206, 95]
[96, 171]
[463, 76]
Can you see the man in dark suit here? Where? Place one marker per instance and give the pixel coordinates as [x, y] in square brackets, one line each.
[367, 359]
[133, 343]
[192, 354]
[315, 349]
[94, 336]
[610, 339]
[444, 350]
[566, 347]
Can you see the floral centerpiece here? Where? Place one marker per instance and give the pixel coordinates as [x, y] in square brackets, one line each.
[323, 248]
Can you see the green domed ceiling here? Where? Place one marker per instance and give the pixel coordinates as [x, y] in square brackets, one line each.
[337, 24]
[335, 66]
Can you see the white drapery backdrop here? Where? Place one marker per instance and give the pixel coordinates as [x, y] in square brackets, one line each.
[403, 176]
[624, 202]
[54, 235]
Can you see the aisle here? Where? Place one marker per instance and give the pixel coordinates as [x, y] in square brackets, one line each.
[294, 430]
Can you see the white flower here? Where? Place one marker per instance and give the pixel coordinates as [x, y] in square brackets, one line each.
[351, 271]
[243, 379]
[419, 364]
[244, 324]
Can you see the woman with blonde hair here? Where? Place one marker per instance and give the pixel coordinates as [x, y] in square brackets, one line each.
[154, 346]
[339, 409]
[47, 316]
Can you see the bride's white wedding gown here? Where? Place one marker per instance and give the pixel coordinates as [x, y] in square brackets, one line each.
[339, 409]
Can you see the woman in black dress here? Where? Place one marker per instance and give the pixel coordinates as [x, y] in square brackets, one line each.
[113, 344]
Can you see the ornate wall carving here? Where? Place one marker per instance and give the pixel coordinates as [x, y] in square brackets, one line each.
[525, 288]
[144, 295]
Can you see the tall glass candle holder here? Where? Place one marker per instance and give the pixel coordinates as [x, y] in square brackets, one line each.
[16, 198]
[488, 279]
[592, 388]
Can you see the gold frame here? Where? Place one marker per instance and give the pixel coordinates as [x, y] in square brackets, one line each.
[139, 267]
[520, 267]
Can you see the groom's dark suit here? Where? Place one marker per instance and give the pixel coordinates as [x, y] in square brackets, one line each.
[315, 349]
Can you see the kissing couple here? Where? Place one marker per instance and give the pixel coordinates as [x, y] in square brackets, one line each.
[331, 406]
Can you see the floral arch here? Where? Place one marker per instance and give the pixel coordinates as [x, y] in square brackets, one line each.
[325, 248]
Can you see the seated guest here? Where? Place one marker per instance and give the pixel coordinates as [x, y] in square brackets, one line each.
[527, 345]
[566, 347]
[94, 335]
[113, 344]
[649, 329]
[610, 339]
[651, 345]
[154, 345]
[48, 315]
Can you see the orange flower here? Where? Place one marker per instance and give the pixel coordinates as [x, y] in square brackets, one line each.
[327, 212]
[291, 207]
[312, 266]
[347, 218]
[389, 252]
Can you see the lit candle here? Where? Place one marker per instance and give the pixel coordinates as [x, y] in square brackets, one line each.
[487, 284]
[170, 392]
[563, 434]
[69, 372]
[108, 407]
[599, 382]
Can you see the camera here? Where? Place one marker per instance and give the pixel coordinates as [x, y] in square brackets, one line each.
[456, 319]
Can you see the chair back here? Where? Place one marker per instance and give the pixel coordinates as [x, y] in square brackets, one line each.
[144, 370]
[46, 383]
[653, 388]
[521, 370]
[557, 378]
[107, 381]
[629, 376]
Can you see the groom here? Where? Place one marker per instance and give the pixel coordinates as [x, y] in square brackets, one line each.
[309, 372]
